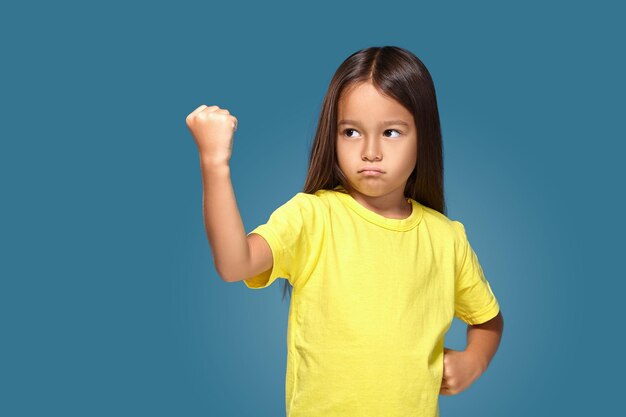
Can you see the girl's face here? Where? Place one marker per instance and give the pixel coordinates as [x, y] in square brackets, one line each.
[376, 131]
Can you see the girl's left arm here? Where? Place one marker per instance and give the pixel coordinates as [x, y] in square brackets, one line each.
[483, 340]
[462, 368]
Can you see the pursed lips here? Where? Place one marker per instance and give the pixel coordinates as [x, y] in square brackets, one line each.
[371, 169]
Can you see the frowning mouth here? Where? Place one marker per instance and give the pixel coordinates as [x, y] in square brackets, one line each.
[371, 169]
[370, 172]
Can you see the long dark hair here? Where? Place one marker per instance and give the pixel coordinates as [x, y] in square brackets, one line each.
[397, 73]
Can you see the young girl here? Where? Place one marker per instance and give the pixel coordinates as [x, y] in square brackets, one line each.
[377, 269]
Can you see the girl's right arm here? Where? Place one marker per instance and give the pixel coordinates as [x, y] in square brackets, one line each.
[235, 255]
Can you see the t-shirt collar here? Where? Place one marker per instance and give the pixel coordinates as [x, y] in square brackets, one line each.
[373, 217]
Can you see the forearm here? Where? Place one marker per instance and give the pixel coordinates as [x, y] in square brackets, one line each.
[483, 340]
[222, 220]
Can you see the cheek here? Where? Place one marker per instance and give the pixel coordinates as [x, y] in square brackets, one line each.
[409, 157]
[340, 158]
[344, 163]
[342, 154]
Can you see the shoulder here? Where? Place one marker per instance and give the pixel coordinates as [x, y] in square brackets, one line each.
[439, 221]
[444, 227]
[302, 206]
[318, 201]
[449, 234]
[305, 201]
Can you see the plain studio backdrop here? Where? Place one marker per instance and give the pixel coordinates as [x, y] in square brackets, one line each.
[109, 300]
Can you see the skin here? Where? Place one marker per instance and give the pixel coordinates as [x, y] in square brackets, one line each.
[367, 140]
[462, 367]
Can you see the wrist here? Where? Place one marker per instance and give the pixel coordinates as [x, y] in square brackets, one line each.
[210, 163]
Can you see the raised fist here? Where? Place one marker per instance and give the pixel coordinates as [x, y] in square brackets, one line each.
[212, 129]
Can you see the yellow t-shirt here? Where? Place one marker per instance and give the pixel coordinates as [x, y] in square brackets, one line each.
[372, 300]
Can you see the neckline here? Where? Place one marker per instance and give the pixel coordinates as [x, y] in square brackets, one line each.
[373, 217]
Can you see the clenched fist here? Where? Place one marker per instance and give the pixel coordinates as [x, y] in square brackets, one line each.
[212, 128]
[460, 370]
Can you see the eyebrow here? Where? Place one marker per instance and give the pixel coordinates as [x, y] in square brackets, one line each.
[385, 123]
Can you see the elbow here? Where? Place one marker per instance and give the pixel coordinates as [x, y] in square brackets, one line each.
[224, 275]
[230, 275]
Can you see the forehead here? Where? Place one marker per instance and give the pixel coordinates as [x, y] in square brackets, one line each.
[364, 101]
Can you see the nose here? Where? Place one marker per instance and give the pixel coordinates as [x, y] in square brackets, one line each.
[371, 150]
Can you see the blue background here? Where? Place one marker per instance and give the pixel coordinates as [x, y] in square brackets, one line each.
[110, 303]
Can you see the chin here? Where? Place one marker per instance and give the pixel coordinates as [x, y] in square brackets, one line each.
[372, 190]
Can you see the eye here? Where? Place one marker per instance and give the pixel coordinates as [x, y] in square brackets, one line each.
[348, 130]
[393, 130]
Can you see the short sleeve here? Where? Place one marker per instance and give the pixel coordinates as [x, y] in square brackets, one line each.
[474, 301]
[286, 234]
